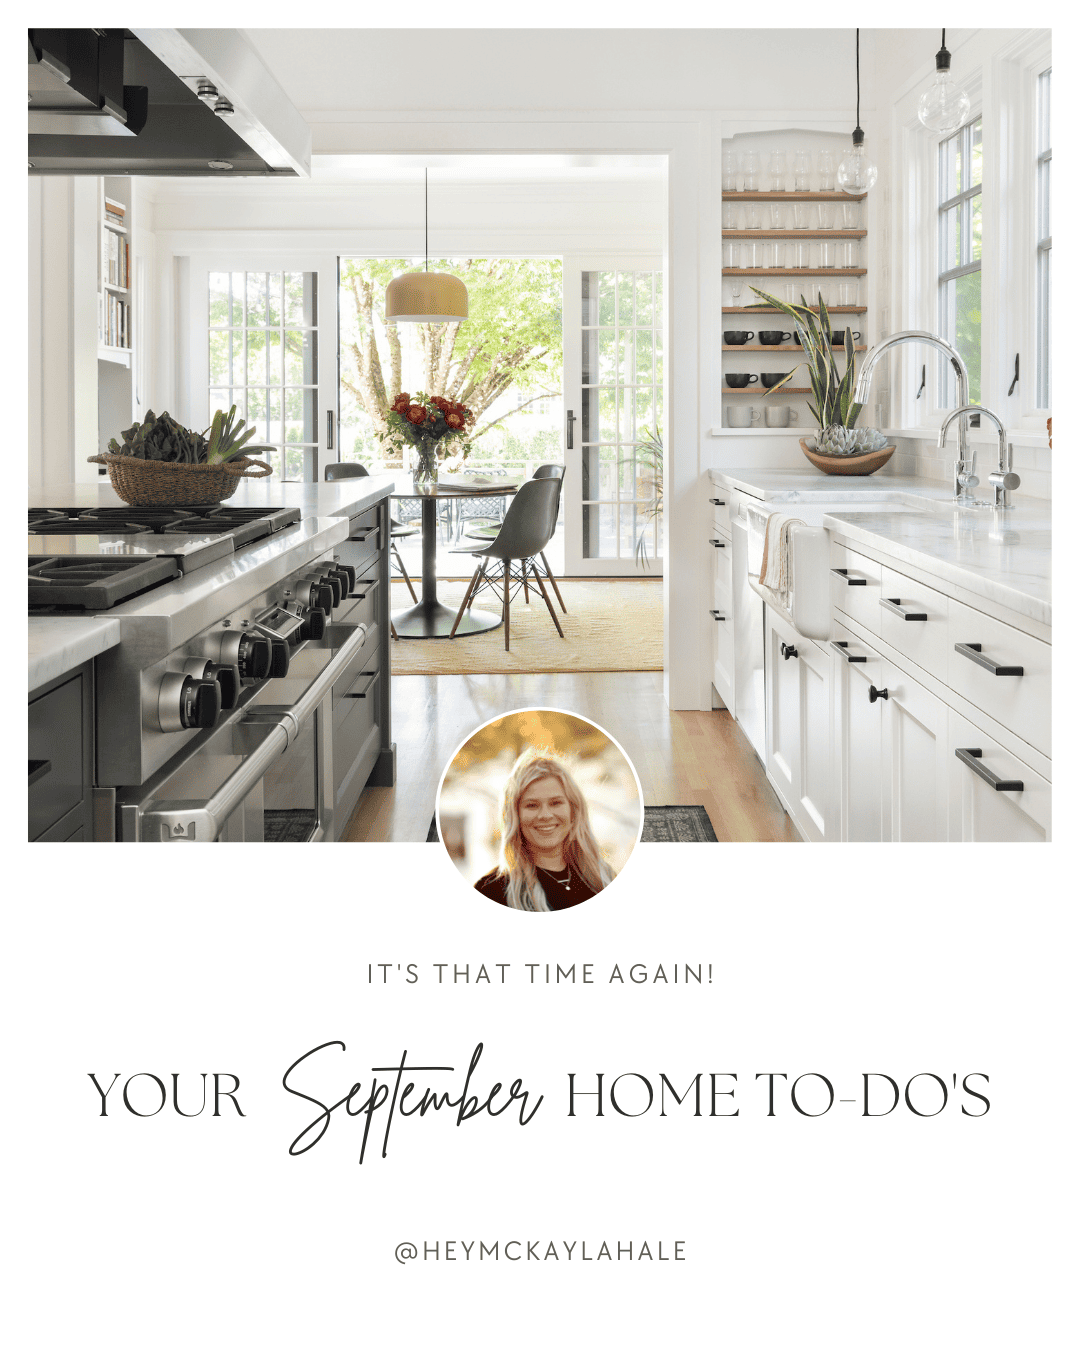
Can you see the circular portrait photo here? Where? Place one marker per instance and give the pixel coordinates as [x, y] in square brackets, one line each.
[539, 810]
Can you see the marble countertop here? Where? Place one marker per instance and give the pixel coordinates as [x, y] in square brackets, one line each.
[1003, 556]
[59, 643]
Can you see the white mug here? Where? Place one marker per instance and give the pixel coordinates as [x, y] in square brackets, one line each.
[780, 416]
[742, 417]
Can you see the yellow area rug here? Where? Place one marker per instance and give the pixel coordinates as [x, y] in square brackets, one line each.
[609, 625]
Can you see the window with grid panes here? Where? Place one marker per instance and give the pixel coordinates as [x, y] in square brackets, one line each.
[622, 378]
[264, 359]
[1043, 253]
[960, 257]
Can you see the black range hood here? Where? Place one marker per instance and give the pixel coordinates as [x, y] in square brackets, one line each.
[101, 102]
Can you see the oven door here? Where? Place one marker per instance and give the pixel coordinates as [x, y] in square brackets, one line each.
[265, 775]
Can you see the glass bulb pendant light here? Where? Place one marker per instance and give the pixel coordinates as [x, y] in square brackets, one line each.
[426, 297]
[944, 107]
[856, 173]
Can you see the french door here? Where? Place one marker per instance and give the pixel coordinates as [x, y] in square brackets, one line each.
[613, 380]
[264, 337]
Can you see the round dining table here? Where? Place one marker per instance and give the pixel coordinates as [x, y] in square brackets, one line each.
[429, 618]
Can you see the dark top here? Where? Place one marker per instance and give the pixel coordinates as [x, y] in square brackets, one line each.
[558, 897]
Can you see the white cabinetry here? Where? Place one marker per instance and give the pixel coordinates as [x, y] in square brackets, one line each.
[721, 612]
[798, 748]
[993, 796]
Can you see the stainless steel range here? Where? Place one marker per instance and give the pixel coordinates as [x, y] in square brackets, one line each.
[242, 702]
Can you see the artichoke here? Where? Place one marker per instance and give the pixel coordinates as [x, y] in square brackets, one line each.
[160, 438]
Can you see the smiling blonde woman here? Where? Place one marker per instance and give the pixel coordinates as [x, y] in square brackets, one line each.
[549, 858]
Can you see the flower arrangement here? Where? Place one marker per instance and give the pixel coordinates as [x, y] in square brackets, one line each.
[421, 420]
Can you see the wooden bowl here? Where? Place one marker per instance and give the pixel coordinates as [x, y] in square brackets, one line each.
[860, 465]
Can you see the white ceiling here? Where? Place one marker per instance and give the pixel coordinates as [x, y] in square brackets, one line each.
[452, 169]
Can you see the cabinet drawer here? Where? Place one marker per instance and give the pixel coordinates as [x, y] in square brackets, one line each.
[1019, 702]
[365, 537]
[978, 811]
[722, 579]
[355, 679]
[720, 502]
[356, 719]
[363, 605]
[57, 737]
[856, 586]
[925, 640]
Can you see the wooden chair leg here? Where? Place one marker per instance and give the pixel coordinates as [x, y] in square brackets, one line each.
[506, 601]
[551, 578]
[525, 579]
[468, 597]
[408, 582]
[393, 630]
[551, 611]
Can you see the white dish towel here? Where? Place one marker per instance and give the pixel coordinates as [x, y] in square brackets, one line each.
[776, 559]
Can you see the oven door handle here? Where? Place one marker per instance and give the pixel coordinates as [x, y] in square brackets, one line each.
[201, 822]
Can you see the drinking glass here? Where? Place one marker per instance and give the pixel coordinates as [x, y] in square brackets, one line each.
[826, 166]
[849, 253]
[774, 253]
[729, 216]
[755, 255]
[732, 254]
[802, 170]
[849, 293]
[851, 215]
[826, 214]
[753, 217]
[736, 289]
[777, 170]
[751, 170]
[828, 294]
[728, 171]
[827, 253]
[800, 255]
[802, 216]
[776, 216]
[790, 297]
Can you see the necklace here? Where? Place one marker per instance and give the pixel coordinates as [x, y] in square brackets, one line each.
[561, 881]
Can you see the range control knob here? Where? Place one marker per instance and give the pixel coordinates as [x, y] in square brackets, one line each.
[253, 657]
[336, 581]
[317, 593]
[227, 677]
[279, 658]
[187, 701]
[314, 625]
[347, 575]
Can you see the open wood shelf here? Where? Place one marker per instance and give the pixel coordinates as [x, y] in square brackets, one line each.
[760, 389]
[780, 350]
[794, 234]
[793, 197]
[794, 271]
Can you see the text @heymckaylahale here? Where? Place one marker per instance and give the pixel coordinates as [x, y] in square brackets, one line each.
[384, 1110]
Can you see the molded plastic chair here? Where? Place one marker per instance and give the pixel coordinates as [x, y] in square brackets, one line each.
[528, 526]
[489, 532]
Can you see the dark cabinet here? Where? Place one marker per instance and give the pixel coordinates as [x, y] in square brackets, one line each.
[60, 751]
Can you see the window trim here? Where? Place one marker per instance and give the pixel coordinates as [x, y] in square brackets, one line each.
[945, 382]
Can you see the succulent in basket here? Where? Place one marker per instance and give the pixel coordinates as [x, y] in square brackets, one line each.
[833, 403]
[160, 438]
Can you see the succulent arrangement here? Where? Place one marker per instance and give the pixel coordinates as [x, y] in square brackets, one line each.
[164, 439]
[837, 440]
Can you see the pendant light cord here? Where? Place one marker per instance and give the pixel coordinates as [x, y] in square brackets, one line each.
[858, 91]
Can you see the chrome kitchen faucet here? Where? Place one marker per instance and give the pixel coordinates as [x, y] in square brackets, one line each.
[1003, 479]
[962, 474]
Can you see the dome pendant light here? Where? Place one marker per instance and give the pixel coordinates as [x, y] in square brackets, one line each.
[944, 107]
[856, 173]
[426, 297]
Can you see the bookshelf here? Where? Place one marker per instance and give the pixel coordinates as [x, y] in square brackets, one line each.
[116, 306]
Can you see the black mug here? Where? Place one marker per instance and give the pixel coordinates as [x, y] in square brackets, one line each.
[773, 337]
[838, 337]
[768, 380]
[739, 381]
[737, 339]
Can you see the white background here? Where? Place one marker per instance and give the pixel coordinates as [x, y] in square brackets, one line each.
[839, 1231]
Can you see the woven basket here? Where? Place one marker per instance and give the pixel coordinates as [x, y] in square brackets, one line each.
[151, 482]
[860, 465]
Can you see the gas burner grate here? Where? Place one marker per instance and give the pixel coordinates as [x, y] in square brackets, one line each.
[93, 583]
[244, 524]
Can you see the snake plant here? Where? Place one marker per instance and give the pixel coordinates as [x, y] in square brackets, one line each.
[834, 393]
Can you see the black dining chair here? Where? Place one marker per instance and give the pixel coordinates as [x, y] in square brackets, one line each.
[527, 527]
[557, 471]
[398, 529]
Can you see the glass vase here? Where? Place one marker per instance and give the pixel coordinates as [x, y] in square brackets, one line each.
[425, 474]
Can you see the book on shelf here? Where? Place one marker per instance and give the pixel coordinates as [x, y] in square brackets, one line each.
[115, 211]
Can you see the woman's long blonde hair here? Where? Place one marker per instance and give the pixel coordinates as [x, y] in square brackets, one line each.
[582, 853]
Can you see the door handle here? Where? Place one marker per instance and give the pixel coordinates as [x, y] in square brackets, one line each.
[570, 429]
[329, 428]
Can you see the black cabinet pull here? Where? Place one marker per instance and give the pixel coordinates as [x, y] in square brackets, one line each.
[717, 615]
[841, 647]
[894, 607]
[972, 757]
[851, 581]
[363, 692]
[717, 543]
[717, 502]
[875, 694]
[787, 652]
[38, 768]
[973, 652]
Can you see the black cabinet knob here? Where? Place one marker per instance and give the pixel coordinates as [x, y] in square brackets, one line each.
[787, 652]
[875, 694]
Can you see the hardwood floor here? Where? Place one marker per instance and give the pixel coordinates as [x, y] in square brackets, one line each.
[682, 758]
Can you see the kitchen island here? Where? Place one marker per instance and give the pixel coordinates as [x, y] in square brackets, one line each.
[914, 701]
[273, 632]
